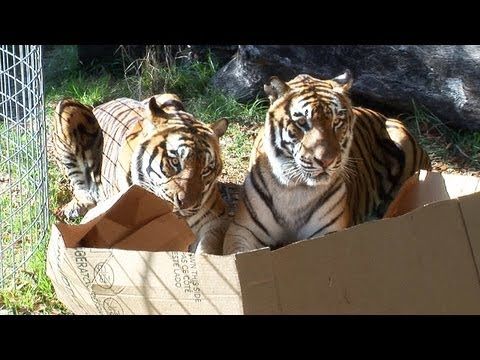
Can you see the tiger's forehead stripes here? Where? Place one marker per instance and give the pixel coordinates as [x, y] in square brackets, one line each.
[310, 97]
[186, 123]
[315, 107]
[175, 140]
[181, 117]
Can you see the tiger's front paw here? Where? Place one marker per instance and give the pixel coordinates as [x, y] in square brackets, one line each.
[208, 247]
[234, 245]
[71, 211]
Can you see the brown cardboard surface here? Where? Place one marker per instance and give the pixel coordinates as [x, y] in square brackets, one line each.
[408, 265]
[112, 281]
[258, 282]
[470, 207]
[423, 262]
[135, 220]
[91, 280]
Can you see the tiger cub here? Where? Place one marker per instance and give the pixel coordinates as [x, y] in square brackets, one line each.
[155, 144]
[319, 165]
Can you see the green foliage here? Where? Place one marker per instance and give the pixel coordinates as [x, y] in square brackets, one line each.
[64, 78]
[443, 142]
[34, 292]
[86, 89]
[187, 80]
[212, 105]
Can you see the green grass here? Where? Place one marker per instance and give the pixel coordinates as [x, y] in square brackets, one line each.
[34, 293]
[64, 78]
[451, 150]
[187, 80]
[458, 150]
[87, 90]
[28, 289]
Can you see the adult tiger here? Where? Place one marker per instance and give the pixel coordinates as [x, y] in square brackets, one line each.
[155, 144]
[319, 165]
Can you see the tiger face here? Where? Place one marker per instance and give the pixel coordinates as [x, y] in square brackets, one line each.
[178, 158]
[308, 128]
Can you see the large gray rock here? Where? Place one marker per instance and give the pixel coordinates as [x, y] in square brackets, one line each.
[443, 78]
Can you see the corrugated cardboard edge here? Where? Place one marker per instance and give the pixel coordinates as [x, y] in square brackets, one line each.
[469, 207]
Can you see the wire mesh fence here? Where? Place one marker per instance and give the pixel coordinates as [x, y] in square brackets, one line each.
[23, 158]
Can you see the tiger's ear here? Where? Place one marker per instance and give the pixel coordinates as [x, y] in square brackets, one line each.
[155, 110]
[155, 114]
[345, 80]
[275, 88]
[220, 127]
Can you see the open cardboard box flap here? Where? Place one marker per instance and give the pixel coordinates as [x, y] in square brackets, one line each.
[429, 187]
[132, 221]
[423, 260]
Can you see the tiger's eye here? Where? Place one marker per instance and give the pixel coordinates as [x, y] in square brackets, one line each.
[301, 121]
[175, 161]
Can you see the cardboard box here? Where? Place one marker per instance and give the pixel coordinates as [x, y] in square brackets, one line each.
[426, 261]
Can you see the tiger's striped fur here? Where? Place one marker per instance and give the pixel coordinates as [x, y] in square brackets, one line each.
[158, 145]
[319, 165]
[77, 139]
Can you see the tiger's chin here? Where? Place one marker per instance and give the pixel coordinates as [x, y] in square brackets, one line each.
[183, 213]
[307, 178]
[322, 178]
